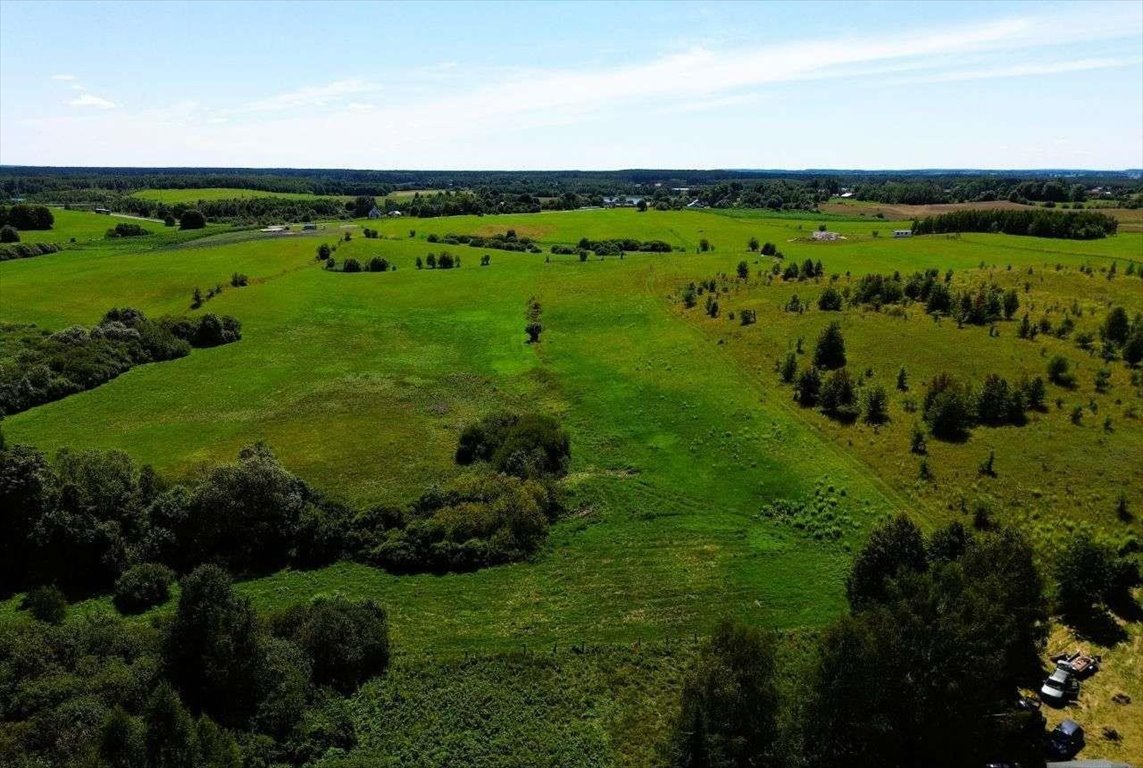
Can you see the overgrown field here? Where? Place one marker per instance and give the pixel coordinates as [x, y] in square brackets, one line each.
[683, 436]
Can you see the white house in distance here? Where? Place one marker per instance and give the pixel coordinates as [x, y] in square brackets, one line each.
[902, 233]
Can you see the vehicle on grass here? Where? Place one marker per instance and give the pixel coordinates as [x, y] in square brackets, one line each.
[1060, 687]
[1065, 741]
[1079, 663]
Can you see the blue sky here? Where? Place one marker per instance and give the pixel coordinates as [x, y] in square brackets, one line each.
[573, 85]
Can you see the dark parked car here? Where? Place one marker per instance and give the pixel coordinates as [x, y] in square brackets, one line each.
[1065, 741]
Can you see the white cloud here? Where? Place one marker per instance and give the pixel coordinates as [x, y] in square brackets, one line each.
[1022, 70]
[91, 100]
[454, 115]
[64, 77]
[311, 96]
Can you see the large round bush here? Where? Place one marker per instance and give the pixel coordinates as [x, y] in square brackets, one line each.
[142, 587]
[192, 219]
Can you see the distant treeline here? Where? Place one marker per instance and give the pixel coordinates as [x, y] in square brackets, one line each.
[987, 189]
[1073, 225]
[247, 210]
[43, 366]
[487, 192]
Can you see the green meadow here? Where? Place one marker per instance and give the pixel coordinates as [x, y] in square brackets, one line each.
[681, 430]
[682, 433]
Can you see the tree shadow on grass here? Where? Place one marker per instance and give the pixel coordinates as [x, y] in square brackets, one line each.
[1098, 626]
[1126, 607]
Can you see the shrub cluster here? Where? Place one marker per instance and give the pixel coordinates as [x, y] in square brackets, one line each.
[616, 246]
[1122, 336]
[986, 304]
[125, 229]
[527, 446]
[952, 407]
[27, 250]
[807, 271]
[192, 219]
[90, 519]
[506, 241]
[142, 587]
[444, 261]
[475, 522]
[48, 367]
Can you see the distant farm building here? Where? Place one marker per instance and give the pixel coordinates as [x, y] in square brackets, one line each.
[902, 233]
[375, 213]
[826, 236]
[394, 214]
[104, 211]
[309, 226]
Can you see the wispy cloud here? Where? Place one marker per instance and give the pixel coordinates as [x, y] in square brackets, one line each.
[83, 99]
[1021, 70]
[91, 100]
[311, 96]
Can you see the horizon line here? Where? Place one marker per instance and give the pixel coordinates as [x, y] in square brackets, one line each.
[664, 169]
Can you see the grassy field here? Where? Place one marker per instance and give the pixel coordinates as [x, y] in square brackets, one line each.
[681, 430]
[172, 196]
[1130, 219]
[85, 227]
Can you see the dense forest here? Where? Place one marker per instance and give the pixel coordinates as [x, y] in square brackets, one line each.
[1072, 225]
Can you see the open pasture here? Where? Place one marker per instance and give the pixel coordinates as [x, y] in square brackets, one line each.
[681, 431]
[85, 227]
